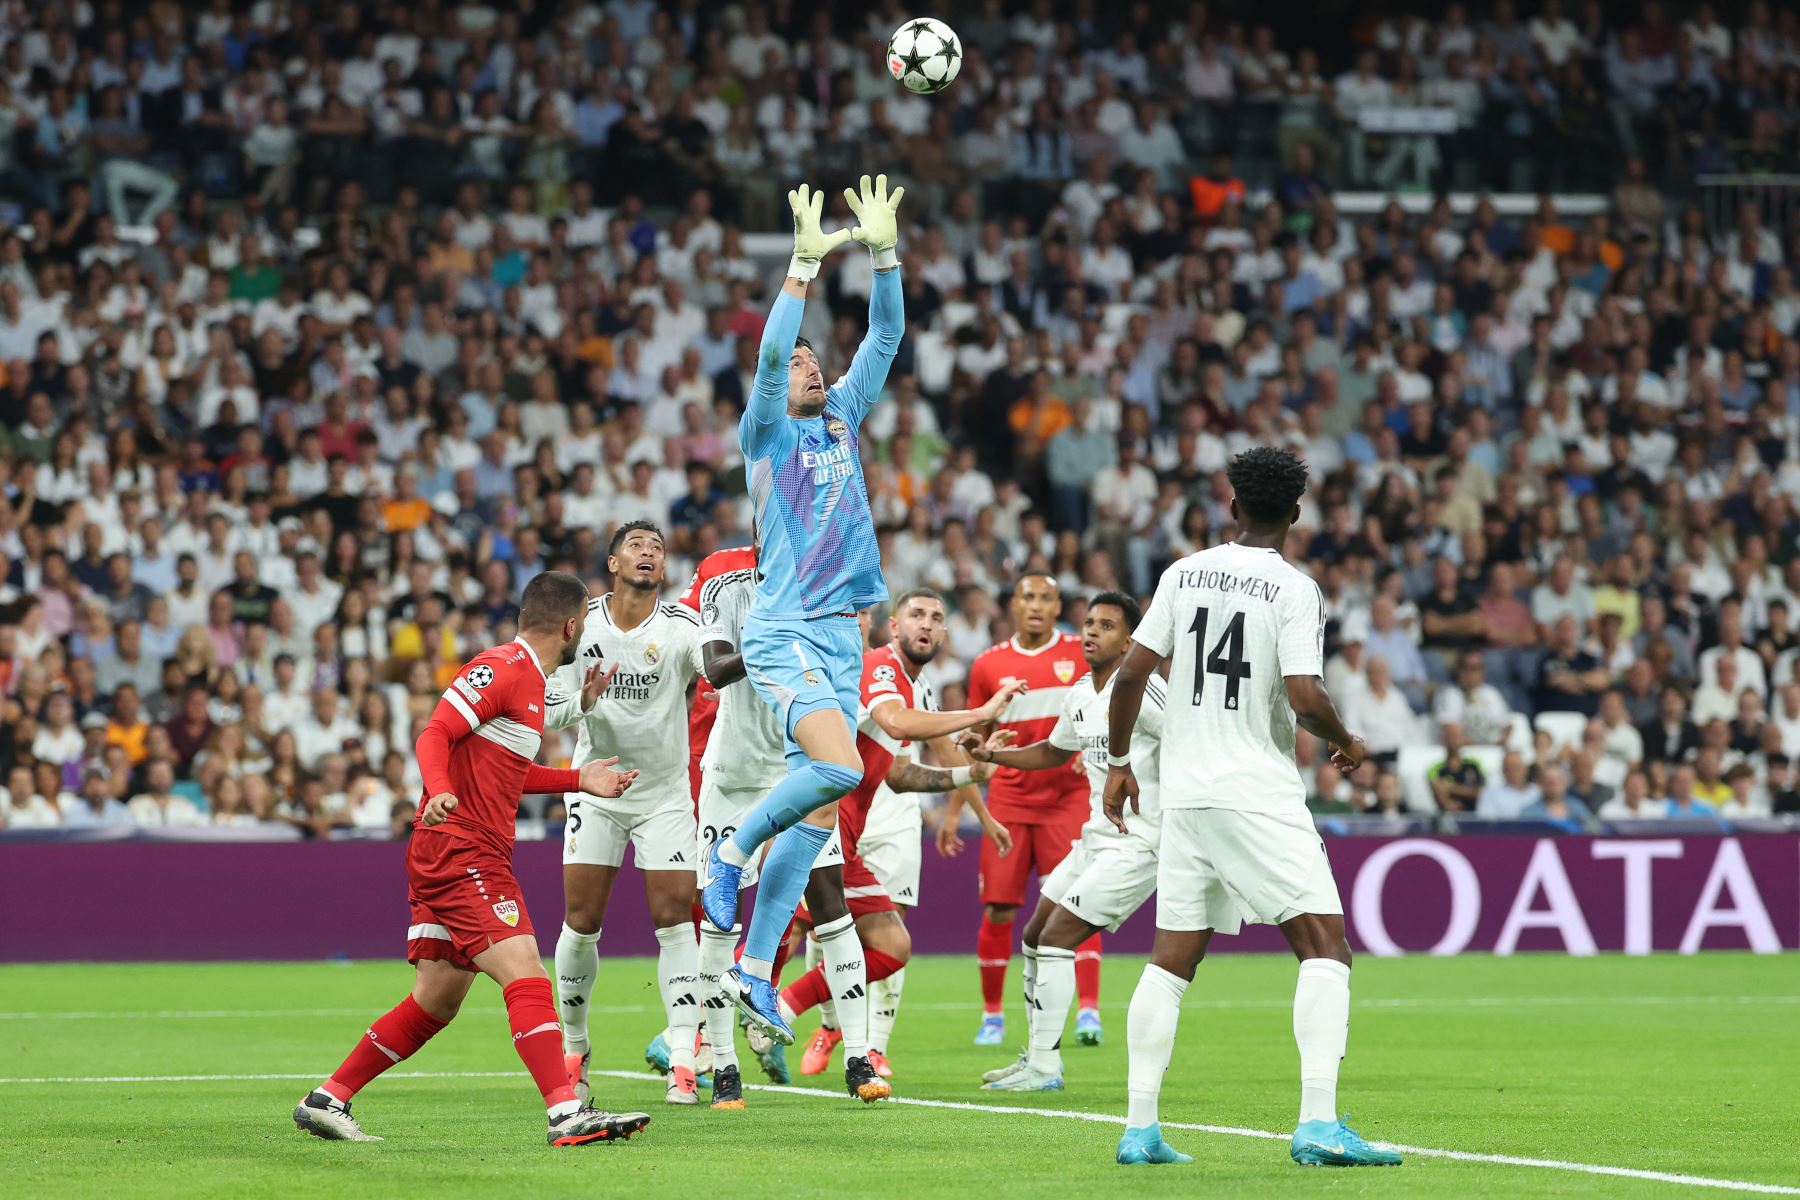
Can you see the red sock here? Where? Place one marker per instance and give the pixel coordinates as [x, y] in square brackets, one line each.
[1087, 973]
[808, 991]
[993, 950]
[531, 1009]
[698, 915]
[782, 953]
[878, 965]
[396, 1035]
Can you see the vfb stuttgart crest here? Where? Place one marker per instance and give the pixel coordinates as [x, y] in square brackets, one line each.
[508, 911]
[652, 655]
[1064, 668]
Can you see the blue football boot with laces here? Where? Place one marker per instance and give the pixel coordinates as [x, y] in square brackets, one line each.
[1145, 1147]
[1335, 1144]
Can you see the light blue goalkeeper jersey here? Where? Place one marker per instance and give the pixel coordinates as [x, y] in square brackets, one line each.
[816, 550]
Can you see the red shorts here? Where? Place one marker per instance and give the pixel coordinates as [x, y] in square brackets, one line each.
[1035, 847]
[463, 898]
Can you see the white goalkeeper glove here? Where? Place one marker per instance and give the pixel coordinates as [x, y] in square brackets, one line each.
[811, 244]
[877, 222]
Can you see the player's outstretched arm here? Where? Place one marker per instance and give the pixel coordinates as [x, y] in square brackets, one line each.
[918, 725]
[769, 393]
[721, 663]
[877, 227]
[1039, 756]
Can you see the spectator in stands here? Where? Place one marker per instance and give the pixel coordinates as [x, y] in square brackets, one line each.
[1634, 802]
[1457, 782]
[94, 806]
[1556, 806]
[158, 804]
[1470, 710]
[1388, 639]
[1681, 801]
[1380, 707]
[1509, 796]
[1570, 679]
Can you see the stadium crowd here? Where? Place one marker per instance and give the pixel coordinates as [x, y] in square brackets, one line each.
[323, 328]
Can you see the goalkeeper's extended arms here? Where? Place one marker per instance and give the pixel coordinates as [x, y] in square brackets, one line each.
[811, 242]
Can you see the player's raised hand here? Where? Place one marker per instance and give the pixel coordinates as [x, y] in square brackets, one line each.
[811, 242]
[599, 779]
[877, 219]
[999, 700]
[1350, 755]
[949, 841]
[595, 683]
[1121, 788]
[439, 808]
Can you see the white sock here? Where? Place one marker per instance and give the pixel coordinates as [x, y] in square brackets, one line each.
[577, 963]
[884, 1009]
[815, 957]
[1150, 1040]
[762, 968]
[730, 855]
[1053, 994]
[558, 1111]
[1028, 983]
[721, 1025]
[846, 974]
[1321, 1028]
[678, 974]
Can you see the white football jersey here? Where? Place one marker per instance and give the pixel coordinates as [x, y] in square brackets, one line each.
[745, 748]
[642, 715]
[1236, 621]
[1083, 726]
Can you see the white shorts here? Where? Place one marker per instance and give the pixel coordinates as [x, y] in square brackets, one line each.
[722, 810]
[896, 862]
[662, 838]
[1222, 868]
[1104, 879]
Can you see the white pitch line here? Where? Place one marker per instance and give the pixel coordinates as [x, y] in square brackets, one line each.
[222, 1014]
[1506, 1160]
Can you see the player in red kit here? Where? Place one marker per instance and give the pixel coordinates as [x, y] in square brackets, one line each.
[476, 756]
[1044, 810]
[705, 709]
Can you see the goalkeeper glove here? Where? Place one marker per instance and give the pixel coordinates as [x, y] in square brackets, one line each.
[877, 225]
[811, 244]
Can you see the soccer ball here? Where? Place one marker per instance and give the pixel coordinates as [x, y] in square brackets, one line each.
[924, 55]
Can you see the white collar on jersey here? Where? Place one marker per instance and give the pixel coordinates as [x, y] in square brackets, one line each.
[532, 654]
[606, 614]
[1055, 637]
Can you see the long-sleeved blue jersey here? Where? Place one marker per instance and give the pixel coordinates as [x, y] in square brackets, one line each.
[816, 550]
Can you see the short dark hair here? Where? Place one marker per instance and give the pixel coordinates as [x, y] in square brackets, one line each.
[803, 343]
[910, 594]
[627, 529]
[1122, 602]
[1268, 482]
[550, 599]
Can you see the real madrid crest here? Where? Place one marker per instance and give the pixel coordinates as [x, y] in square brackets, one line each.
[652, 655]
[836, 428]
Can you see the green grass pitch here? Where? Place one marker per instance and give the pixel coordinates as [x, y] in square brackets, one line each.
[1683, 1067]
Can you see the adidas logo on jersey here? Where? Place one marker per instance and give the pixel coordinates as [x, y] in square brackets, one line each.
[678, 856]
[592, 651]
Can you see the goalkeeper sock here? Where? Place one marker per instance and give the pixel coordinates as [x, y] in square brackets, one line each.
[395, 1036]
[778, 891]
[531, 1011]
[577, 966]
[1150, 1041]
[1321, 1029]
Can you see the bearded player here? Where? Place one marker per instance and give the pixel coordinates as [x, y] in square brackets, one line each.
[468, 914]
[1110, 872]
[1044, 810]
[654, 650]
[860, 933]
[818, 564]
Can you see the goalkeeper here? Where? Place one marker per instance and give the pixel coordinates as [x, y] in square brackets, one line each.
[817, 565]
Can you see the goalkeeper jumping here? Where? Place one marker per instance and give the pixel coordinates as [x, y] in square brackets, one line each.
[817, 565]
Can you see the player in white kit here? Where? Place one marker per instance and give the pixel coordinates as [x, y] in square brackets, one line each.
[1244, 632]
[744, 758]
[1109, 873]
[656, 649]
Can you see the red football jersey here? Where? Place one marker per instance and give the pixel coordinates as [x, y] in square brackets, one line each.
[884, 681]
[1033, 797]
[491, 718]
[706, 698]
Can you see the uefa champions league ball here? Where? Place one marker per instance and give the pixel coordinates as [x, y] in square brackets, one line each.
[924, 55]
